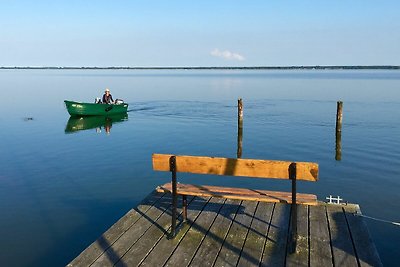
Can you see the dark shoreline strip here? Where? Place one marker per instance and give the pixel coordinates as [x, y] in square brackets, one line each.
[370, 67]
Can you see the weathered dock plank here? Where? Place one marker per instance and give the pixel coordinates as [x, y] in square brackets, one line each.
[163, 250]
[255, 241]
[97, 248]
[320, 246]
[300, 256]
[113, 254]
[186, 249]
[342, 245]
[366, 251]
[157, 231]
[275, 247]
[227, 232]
[212, 243]
[232, 247]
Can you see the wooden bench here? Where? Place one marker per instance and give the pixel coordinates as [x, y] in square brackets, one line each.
[293, 171]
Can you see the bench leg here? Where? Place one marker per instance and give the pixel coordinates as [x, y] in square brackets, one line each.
[293, 232]
[184, 205]
[174, 211]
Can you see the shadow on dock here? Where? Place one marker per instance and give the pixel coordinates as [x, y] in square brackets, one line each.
[233, 233]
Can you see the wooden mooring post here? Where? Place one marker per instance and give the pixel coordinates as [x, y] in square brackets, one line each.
[338, 147]
[339, 118]
[240, 128]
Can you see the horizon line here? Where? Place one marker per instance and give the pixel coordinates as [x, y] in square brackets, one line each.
[210, 67]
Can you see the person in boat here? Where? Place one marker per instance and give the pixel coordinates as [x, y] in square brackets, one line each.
[107, 97]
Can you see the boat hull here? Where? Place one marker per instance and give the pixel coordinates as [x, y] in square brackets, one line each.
[91, 109]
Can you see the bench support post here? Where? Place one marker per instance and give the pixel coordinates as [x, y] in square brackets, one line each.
[184, 205]
[172, 164]
[293, 217]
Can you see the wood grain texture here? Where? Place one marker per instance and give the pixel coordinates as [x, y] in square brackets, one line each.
[163, 250]
[364, 245]
[342, 244]
[320, 246]
[300, 257]
[188, 246]
[307, 171]
[212, 243]
[235, 233]
[158, 230]
[275, 247]
[239, 193]
[115, 252]
[230, 251]
[106, 240]
[256, 238]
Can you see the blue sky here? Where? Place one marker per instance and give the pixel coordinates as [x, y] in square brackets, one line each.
[199, 33]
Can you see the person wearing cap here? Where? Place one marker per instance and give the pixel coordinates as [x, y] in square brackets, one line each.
[107, 97]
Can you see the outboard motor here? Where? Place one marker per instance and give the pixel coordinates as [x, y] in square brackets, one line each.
[97, 100]
[119, 101]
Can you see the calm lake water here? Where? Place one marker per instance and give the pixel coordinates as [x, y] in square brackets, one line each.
[60, 189]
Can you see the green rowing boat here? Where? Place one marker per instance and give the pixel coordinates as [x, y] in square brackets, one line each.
[92, 109]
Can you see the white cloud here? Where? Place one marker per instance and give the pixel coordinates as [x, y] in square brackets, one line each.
[226, 54]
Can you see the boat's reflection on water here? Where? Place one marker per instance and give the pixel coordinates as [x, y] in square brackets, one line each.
[100, 123]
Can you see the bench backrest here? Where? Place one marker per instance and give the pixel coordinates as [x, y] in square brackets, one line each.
[307, 171]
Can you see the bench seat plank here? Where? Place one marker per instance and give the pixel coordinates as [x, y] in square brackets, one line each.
[239, 193]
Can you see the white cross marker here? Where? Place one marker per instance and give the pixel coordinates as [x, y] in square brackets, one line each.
[332, 199]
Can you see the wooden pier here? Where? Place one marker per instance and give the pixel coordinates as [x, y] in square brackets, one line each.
[227, 232]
